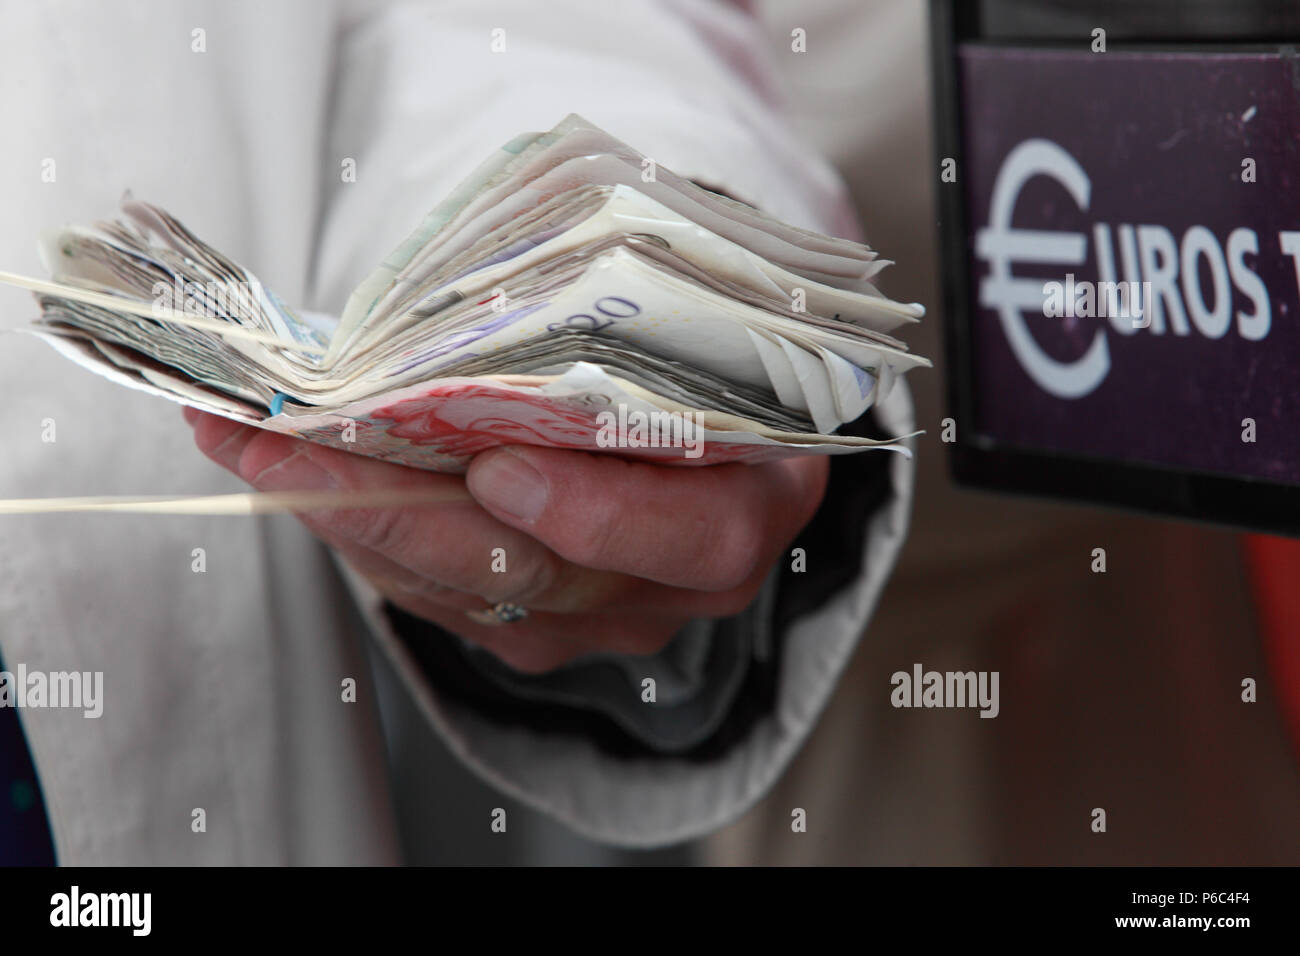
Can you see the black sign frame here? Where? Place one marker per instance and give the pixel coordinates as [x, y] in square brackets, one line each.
[981, 461]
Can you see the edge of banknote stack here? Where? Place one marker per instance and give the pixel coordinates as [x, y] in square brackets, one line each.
[559, 296]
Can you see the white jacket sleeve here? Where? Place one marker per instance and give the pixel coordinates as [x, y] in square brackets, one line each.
[424, 91]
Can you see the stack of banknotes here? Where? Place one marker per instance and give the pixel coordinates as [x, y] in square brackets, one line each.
[569, 293]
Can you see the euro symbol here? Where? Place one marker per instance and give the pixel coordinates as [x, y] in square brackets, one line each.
[999, 245]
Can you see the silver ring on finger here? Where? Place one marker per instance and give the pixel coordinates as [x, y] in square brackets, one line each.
[503, 612]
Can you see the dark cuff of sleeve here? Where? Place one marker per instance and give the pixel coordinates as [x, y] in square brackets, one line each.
[714, 681]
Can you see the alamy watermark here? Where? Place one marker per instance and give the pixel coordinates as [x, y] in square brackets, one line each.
[633, 428]
[209, 300]
[75, 908]
[83, 690]
[922, 688]
[1101, 300]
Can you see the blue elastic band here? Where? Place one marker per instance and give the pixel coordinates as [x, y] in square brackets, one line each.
[277, 403]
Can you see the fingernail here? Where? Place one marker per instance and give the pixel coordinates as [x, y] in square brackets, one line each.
[296, 472]
[506, 482]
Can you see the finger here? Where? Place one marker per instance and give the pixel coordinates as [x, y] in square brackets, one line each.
[399, 584]
[542, 642]
[221, 439]
[455, 546]
[415, 556]
[224, 442]
[708, 528]
[635, 628]
[433, 556]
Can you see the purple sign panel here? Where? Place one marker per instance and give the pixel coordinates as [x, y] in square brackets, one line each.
[1135, 246]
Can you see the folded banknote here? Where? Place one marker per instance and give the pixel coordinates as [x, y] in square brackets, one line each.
[568, 294]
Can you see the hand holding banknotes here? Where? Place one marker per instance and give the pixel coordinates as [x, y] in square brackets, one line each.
[605, 554]
[534, 365]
